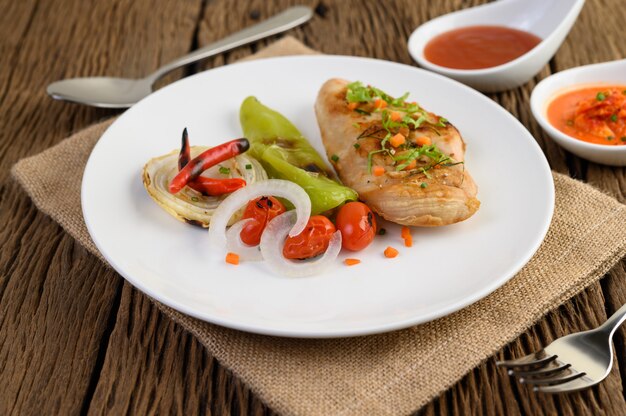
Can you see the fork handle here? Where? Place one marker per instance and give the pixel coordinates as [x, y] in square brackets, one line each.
[614, 321]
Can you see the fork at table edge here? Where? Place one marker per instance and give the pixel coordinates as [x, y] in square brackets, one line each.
[592, 345]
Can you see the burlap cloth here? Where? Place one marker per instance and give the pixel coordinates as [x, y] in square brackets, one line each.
[394, 373]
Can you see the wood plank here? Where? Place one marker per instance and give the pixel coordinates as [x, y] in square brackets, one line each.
[153, 366]
[148, 363]
[489, 390]
[486, 390]
[614, 291]
[56, 299]
[51, 327]
[19, 17]
[498, 393]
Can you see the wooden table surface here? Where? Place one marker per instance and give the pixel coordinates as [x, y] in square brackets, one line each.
[76, 338]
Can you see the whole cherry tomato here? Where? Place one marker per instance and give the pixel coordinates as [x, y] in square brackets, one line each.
[357, 225]
[311, 242]
[262, 210]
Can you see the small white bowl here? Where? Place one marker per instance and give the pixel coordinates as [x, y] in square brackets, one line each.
[551, 20]
[608, 73]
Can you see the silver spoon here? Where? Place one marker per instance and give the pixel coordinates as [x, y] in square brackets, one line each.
[111, 92]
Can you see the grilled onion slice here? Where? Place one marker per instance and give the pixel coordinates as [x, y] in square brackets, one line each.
[188, 205]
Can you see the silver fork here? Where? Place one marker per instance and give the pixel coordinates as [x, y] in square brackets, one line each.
[570, 363]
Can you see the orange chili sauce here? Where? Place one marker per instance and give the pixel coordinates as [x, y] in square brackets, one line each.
[591, 114]
[479, 47]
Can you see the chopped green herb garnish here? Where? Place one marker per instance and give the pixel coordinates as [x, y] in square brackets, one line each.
[423, 185]
[194, 198]
[223, 170]
[358, 110]
[334, 158]
[395, 102]
[570, 122]
[416, 124]
[623, 138]
[358, 93]
[356, 145]
[600, 96]
[369, 158]
[624, 92]
[614, 118]
[610, 137]
[425, 172]
[384, 141]
[431, 152]
[413, 118]
[248, 166]
[412, 108]
[382, 231]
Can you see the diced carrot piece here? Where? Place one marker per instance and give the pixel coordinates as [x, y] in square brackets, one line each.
[397, 140]
[412, 164]
[352, 106]
[232, 258]
[378, 170]
[391, 252]
[395, 116]
[423, 141]
[380, 103]
[351, 262]
[406, 235]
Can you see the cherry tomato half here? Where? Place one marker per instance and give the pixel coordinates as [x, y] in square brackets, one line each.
[357, 225]
[263, 210]
[311, 242]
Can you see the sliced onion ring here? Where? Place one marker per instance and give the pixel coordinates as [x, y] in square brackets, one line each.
[271, 187]
[188, 205]
[235, 245]
[273, 241]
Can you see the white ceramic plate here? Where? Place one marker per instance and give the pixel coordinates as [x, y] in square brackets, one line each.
[446, 269]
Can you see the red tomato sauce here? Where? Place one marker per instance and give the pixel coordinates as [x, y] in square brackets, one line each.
[591, 114]
[479, 47]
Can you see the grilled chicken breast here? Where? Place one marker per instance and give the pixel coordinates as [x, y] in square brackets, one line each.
[421, 181]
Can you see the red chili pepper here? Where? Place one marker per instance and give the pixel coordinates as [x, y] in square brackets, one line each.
[216, 187]
[205, 160]
[185, 153]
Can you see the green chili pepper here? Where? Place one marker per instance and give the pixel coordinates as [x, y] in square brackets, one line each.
[286, 154]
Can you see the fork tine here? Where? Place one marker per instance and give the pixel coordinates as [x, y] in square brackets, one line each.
[551, 380]
[540, 372]
[577, 384]
[528, 360]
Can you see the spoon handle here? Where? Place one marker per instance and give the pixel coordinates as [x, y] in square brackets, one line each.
[290, 18]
